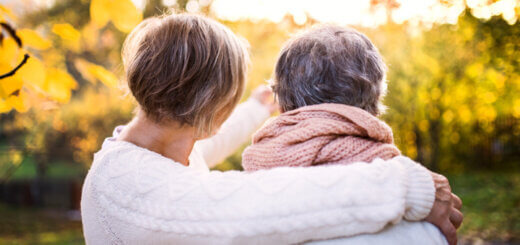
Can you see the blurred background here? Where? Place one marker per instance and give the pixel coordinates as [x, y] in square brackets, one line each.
[454, 104]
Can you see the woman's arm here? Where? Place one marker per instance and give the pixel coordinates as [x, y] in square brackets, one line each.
[236, 131]
[284, 205]
[404, 232]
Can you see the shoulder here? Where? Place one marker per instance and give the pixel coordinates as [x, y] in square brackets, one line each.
[127, 171]
[124, 178]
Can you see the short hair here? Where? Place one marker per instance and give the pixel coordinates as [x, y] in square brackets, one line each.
[330, 64]
[186, 68]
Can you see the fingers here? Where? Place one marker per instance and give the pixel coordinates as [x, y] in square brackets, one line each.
[449, 232]
[442, 188]
[456, 218]
[457, 203]
[263, 90]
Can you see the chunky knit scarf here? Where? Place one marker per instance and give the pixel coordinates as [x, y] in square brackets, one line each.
[320, 134]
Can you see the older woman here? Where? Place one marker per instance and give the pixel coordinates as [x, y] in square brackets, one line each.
[330, 82]
[150, 184]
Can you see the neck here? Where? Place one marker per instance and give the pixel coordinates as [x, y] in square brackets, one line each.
[168, 139]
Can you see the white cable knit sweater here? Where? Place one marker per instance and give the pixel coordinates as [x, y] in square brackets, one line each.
[135, 196]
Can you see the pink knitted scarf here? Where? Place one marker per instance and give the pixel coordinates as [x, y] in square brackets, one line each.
[320, 134]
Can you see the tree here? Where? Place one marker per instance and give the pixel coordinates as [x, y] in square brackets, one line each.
[450, 89]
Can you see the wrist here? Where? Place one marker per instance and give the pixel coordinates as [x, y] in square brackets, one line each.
[258, 105]
[261, 110]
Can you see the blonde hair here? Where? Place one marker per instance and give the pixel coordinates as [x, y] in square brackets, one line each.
[186, 68]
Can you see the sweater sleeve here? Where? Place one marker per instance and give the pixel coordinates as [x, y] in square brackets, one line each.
[234, 132]
[282, 205]
[404, 232]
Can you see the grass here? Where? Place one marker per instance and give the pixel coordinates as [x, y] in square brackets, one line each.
[491, 205]
[27, 170]
[491, 210]
[21, 225]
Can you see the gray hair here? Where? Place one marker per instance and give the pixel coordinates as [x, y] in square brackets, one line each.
[330, 64]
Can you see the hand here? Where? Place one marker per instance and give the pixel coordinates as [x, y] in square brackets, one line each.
[445, 213]
[264, 95]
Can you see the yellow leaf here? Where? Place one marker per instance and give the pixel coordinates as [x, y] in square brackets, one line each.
[99, 13]
[4, 106]
[32, 39]
[66, 31]
[9, 55]
[11, 84]
[3, 94]
[103, 75]
[59, 84]
[68, 34]
[19, 103]
[33, 72]
[123, 13]
[4, 68]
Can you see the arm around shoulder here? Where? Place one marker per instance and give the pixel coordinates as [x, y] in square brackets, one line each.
[284, 205]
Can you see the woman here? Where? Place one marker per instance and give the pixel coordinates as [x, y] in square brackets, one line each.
[329, 82]
[149, 183]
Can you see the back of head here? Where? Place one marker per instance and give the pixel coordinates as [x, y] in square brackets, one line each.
[330, 64]
[185, 68]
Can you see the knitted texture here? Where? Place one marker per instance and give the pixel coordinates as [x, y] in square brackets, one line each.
[135, 196]
[320, 134]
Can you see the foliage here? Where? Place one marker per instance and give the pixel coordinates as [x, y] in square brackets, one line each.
[453, 93]
[77, 129]
[452, 102]
[451, 98]
[48, 74]
[32, 79]
[63, 57]
[123, 13]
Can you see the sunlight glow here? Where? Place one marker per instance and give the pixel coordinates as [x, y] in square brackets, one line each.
[169, 3]
[428, 11]
[192, 6]
[359, 12]
[504, 7]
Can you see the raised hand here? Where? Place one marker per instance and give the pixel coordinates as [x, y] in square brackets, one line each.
[265, 96]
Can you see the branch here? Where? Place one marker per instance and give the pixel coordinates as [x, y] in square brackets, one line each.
[12, 72]
[18, 40]
[12, 33]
